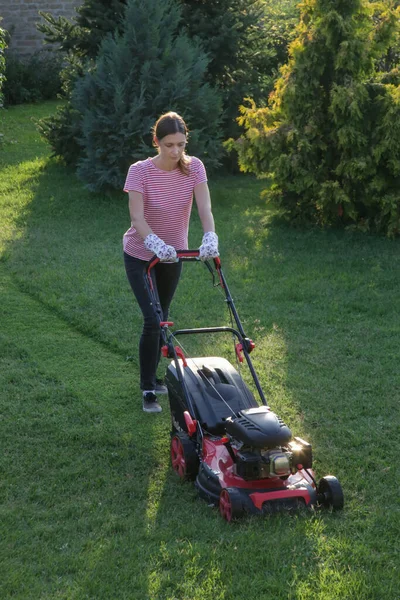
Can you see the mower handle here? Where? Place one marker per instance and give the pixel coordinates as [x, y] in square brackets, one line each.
[187, 255]
[192, 255]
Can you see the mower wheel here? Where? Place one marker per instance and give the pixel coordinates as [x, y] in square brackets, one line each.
[330, 493]
[230, 504]
[184, 459]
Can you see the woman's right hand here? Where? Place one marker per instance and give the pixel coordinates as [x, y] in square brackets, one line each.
[162, 250]
[209, 246]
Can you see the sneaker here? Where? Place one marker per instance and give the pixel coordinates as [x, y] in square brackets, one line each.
[150, 403]
[161, 388]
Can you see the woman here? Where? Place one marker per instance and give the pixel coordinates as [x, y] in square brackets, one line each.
[160, 201]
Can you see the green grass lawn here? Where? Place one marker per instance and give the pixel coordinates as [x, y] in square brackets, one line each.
[90, 507]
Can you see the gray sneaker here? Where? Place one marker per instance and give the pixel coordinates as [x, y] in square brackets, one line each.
[161, 388]
[150, 403]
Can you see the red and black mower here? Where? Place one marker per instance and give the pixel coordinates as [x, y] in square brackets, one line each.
[241, 455]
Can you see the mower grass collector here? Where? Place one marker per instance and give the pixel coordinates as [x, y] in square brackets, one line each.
[242, 456]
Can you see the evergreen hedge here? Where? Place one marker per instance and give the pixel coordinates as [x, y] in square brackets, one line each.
[239, 39]
[150, 68]
[329, 139]
[83, 36]
[78, 41]
[245, 41]
[32, 78]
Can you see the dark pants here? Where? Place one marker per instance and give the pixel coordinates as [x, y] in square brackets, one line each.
[165, 277]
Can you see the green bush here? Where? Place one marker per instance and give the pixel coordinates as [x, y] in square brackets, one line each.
[62, 131]
[235, 35]
[78, 41]
[149, 69]
[82, 37]
[245, 40]
[32, 78]
[329, 140]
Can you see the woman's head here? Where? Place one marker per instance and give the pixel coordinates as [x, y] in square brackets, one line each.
[168, 124]
[170, 136]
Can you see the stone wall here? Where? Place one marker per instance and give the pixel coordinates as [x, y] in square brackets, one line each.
[20, 18]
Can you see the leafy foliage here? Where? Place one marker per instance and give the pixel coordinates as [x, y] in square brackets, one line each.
[390, 58]
[239, 37]
[78, 41]
[83, 36]
[329, 139]
[33, 78]
[151, 68]
[280, 20]
[245, 40]
[62, 131]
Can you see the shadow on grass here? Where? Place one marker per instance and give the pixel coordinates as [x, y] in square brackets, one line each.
[323, 308]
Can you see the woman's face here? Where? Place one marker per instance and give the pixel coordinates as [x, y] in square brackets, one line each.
[171, 147]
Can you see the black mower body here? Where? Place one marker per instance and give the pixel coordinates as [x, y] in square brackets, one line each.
[209, 381]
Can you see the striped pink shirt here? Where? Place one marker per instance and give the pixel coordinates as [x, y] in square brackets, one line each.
[167, 200]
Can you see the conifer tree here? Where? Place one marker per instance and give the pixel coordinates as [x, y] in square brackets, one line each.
[245, 40]
[234, 36]
[79, 40]
[83, 35]
[329, 140]
[390, 59]
[150, 68]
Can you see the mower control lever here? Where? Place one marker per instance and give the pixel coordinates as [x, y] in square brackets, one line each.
[168, 351]
[249, 346]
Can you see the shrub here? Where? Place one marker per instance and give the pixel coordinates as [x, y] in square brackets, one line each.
[246, 41]
[83, 36]
[329, 140]
[62, 131]
[151, 68]
[32, 78]
[78, 41]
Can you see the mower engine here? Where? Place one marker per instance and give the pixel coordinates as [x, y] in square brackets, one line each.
[264, 447]
[252, 464]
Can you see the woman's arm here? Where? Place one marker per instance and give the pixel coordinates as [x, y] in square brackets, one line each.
[203, 201]
[209, 244]
[151, 241]
[136, 212]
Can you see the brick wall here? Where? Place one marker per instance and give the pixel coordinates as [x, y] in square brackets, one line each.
[20, 18]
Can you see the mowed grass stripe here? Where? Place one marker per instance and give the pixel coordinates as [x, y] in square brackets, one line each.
[76, 454]
[82, 364]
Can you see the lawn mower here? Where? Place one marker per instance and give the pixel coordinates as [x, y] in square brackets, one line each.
[241, 455]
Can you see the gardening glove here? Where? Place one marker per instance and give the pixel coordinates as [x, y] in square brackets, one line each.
[164, 252]
[209, 246]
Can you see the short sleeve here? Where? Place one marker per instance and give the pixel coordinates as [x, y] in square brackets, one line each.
[200, 175]
[134, 179]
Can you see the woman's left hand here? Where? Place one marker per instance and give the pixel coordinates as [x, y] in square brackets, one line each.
[209, 246]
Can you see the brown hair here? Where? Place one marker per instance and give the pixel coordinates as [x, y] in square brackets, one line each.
[170, 123]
